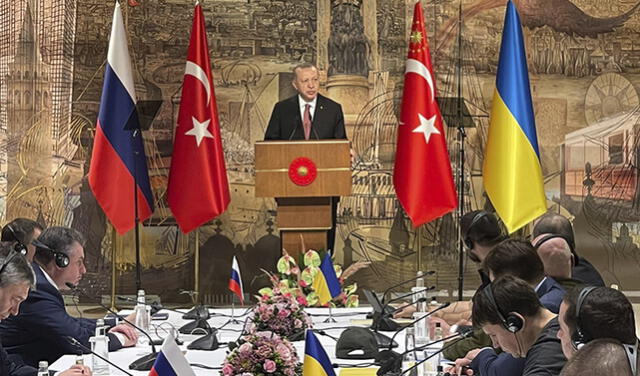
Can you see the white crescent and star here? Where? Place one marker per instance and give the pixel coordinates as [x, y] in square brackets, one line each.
[427, 126]
[415, 66]
[200, 128]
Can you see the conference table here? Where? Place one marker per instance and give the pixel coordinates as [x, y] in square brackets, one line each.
[213, 360]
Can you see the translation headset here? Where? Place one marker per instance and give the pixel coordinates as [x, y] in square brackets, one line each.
[580, 337]
[19, 246]
[511, 322]
[554, 236]
[476, 218]
[8, 259]
[61, 259]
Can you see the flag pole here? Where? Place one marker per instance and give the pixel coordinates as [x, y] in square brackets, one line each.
[113, 267]
[461, 136]
[196, 267]
[136, 222]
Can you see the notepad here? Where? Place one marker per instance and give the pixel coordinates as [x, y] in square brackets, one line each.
[358, 371]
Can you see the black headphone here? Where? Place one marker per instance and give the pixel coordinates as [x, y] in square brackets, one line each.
[7, 260]
[554, 236]
[476, 218]
[511, 322]
[580, 337]
[61, 259]
[19, 247]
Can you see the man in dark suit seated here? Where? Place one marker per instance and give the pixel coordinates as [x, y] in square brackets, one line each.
[23, 231]
[16, 278]
[308, 116]
[555, 225]
[41, 330]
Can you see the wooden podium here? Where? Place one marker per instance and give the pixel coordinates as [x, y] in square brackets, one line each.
[303, 176]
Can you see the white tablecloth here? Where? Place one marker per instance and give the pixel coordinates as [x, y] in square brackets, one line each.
[345, 317]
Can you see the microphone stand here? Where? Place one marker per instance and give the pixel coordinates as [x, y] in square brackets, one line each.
[389, 364]
[384, 295]
[78, 344]
[443, 306]
[142, 364]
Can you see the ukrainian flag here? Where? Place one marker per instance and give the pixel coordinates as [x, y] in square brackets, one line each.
[512, 172]
[316, 361]
[326, 282]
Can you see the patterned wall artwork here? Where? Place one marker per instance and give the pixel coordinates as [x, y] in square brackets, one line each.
[584, 61]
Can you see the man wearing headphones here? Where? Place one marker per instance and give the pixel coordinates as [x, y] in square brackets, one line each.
[23, 231]
[40, 332]
[604, 356]
[16, 278]
[516, 258]
[597, 312]
[554, 226]
[509, 311]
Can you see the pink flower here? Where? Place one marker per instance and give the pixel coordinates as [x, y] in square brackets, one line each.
[284, 351]
[227, 370]
[302, 300]
[245, 347]
[269, 366]
[303, 283]
[297, 323]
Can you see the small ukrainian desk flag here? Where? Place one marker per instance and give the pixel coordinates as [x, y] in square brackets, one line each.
[326, 282]
[512, 172]
[316, 361]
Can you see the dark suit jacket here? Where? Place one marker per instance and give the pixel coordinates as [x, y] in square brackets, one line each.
[39, 330]
[551, 293]
[286, 122]
[9, 368]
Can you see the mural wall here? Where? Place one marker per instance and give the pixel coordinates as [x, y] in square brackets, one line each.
[584, 60]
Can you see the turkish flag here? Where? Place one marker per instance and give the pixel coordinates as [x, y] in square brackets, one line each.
[422, 174]
[198, 189]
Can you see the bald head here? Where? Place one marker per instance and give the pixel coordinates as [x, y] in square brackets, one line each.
[555, 254]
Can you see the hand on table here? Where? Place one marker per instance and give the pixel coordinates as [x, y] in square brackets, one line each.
[460, 368]
[77, 370]
[129, 332]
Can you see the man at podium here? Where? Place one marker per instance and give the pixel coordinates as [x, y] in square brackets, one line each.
[308, 116]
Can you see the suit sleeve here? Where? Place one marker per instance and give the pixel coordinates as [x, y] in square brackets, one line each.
[488, 363]
[273, 129]
[339, 132]
[14, 369]
[47, 316]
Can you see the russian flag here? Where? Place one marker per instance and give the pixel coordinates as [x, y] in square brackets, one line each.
[116, 154]
[235, 282]
[171, 361]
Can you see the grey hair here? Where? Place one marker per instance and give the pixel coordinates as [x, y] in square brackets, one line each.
[302, 66]
[17, 269]
[59, 239]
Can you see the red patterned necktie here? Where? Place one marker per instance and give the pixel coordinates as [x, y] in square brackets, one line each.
[306, 121]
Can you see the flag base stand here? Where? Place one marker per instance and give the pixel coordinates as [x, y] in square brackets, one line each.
[330, 319]
[233, 319]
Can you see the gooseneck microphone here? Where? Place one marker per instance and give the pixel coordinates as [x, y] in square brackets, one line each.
[394, 362]
[442, 306]
[384, 295]
[79, 344]
[144, 363]
[421, 300]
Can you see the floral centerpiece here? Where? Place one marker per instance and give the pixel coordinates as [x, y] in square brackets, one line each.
[298, 281]
[262, 353]
[282, 313]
